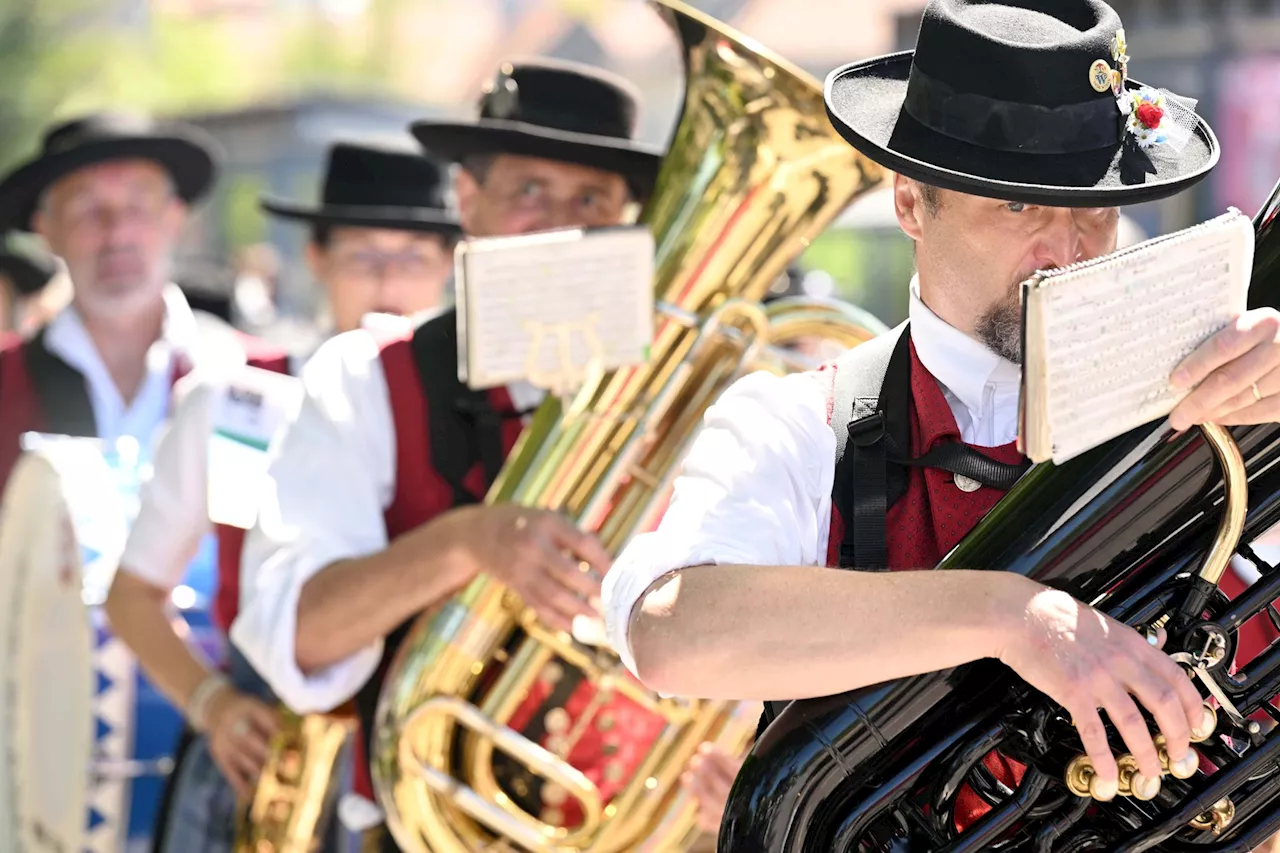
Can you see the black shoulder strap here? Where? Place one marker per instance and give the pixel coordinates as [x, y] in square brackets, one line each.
[874, 388]
[60, 389]
[463, 426]
[863, 424]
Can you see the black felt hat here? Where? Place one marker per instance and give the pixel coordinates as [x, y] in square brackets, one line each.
[376, 187]
[557, 111]
[184, 152]
[29, 268]
[1024, 100]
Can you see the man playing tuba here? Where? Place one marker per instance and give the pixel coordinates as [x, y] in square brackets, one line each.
[375, 520]
[731, 597]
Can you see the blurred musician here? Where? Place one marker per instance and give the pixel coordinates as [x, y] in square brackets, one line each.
[368, 529]
[109, 194]
[730, 598]
[381, 241]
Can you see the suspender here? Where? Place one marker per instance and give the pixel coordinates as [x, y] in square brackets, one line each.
[463, 426]
[62, 392]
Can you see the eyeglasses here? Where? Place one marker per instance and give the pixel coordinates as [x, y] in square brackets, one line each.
[364, 263]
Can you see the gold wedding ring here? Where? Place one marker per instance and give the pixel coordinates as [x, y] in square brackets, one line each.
[1257, 395]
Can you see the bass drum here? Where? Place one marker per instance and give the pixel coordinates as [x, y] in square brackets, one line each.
[47, 727]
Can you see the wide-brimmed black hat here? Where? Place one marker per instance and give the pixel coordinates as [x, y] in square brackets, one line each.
[556, 111]
[1024, 101]
[29, 268]
[380, 186]
[183, 151]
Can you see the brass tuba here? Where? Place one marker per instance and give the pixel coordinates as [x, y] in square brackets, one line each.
[1143, 528]
[755, 171]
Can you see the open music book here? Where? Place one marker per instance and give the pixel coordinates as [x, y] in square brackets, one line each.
[553, 307]
[1101, 338]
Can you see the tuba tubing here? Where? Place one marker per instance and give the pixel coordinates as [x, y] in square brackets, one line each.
[1131, 537]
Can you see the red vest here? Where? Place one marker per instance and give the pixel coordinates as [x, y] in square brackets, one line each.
[608, 752]
[931, 517]
[20, 407]
[421, 494]
[226, 604]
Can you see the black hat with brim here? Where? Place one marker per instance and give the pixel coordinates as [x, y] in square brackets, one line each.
[393, 218]
[1000, 101]
[376, 186]
[553, 110]
[185, 153]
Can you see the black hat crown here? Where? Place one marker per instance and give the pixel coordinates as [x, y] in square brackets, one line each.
[368, 176]
[561, 96]
[1014, 75]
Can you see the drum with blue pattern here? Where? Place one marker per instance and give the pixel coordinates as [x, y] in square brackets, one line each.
[136, 728]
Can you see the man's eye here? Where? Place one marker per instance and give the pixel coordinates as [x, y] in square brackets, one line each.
[1015, 207]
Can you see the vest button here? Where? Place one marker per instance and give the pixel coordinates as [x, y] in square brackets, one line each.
[967, 484]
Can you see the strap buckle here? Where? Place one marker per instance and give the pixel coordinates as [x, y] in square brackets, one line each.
[868, 431]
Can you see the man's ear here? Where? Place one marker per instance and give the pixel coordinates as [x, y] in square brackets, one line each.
[908, 206]
[466, 191]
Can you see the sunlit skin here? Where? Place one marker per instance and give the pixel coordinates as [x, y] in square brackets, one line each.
[522, 195]
[366, 270]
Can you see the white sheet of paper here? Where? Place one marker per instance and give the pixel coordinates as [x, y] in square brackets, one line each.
[249, 415]
[549, 306]
[1115, 328]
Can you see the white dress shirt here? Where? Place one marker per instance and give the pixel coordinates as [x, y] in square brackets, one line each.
[141, 417]
[755, 487]
[333, 478]
[173, 512]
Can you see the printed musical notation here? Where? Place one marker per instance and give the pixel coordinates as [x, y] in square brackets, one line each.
[544, 310]
[1102, 338]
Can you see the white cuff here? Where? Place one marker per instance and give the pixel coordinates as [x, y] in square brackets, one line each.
[266, 632]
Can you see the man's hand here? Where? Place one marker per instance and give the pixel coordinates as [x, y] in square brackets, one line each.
[240, 731]
[556, 568]
[1086, 661]
[708, 778]
[1235, 374]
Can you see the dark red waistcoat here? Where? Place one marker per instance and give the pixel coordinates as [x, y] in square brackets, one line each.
[421, 493]
[231, 539]
[931, 517]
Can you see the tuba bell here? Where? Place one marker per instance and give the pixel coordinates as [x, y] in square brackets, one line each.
[1142, 527]
[755, 171]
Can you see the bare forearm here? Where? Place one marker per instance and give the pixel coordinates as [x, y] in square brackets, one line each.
[776, 632]
[137, 613]
[351, 604]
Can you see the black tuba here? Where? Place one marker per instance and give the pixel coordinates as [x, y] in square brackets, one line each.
[1142, 528]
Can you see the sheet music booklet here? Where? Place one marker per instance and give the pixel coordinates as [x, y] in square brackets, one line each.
[1101, 338]
[553, 307]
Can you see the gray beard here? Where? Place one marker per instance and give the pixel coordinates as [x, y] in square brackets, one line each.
[1000, 328]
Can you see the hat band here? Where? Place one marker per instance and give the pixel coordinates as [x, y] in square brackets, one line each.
[381, 194]
[1009, 125]
[566, 120]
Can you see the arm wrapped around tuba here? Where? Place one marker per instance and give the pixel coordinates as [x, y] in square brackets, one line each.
[1146, 542]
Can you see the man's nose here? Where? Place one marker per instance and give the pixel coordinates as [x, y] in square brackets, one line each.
[1061, 243]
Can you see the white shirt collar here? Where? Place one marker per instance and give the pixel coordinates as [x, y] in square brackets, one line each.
[67, 337]
[962, 365]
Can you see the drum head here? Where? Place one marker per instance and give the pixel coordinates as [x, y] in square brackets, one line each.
[46, 677]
